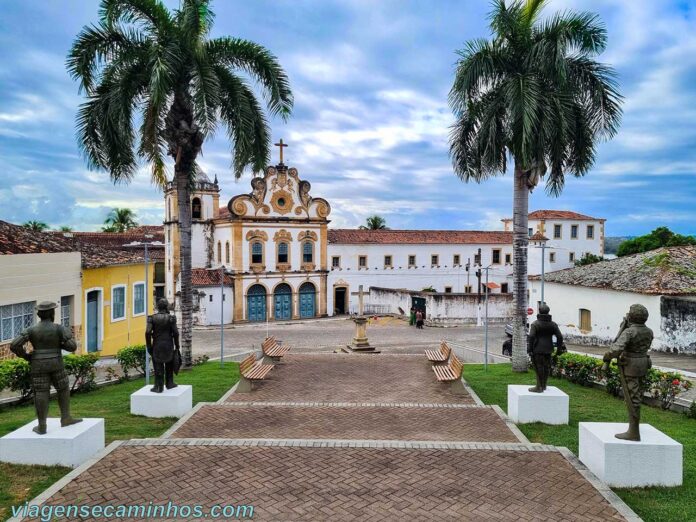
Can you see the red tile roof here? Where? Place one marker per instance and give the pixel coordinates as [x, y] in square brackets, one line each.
[558, 214]
[538, 237]
[205, 277]
[115, 240]
[15, 239]
[432, 237]
[224, 212]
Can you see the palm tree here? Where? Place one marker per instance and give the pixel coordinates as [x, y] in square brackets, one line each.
[36, 226]
[532, 93]
[65, 228]
[374, 223]
[142, 56]
[120, 220]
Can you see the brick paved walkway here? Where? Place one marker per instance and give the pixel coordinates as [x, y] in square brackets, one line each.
[352, 378]
[326, 422]
[311, 483]
[347, 437]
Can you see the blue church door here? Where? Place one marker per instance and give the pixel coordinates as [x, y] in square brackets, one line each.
[256, 303]
[282, 302]
[308, 294]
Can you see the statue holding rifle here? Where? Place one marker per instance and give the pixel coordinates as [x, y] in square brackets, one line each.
[630, 349]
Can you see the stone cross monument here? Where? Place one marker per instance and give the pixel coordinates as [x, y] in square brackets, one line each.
[360, 342]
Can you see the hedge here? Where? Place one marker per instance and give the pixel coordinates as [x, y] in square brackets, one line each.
[132, 358]
[587, 371]
[14, 374]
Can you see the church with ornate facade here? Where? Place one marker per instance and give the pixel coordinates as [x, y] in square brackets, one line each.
[270, 255]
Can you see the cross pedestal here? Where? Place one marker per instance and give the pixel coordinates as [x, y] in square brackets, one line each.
[360, 343]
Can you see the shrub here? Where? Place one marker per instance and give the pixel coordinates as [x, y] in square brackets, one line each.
[579, 369]
[81, 369]
[14, 375]
[202, 359]
[691, 412]
[132, 358]
[666, 386]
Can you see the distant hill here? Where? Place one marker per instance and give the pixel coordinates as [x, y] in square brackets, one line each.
[611, 244]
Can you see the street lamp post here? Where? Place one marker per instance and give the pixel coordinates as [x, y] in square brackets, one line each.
[146, 244]
[223, 272]
[540, 241]
[485, 362]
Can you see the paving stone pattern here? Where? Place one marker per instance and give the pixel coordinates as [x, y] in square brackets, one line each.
[352, 378]
[301, 483]
[368, 423]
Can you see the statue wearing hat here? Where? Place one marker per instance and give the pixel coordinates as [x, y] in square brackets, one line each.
[162, 340]
[630, 349]
[540, 346]
[47, 339]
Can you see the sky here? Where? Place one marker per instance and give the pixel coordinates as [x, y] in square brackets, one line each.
[370, 125]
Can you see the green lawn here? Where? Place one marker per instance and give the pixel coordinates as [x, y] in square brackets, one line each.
[21, 483]
[595, 405]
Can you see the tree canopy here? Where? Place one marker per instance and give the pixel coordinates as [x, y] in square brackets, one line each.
[36, 226]
[120, 220]
[374, 223]
[658, 238]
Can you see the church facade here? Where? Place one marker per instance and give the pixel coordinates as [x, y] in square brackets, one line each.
[269, 255]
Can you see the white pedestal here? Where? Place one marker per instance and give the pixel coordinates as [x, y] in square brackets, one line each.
[550, 407]
[656, 460]
[69, 446]
[170, 403]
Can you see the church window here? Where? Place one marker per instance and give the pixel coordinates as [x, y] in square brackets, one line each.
[256, 253]
[456, 260]
[411, 261]
[434, 260]
[590, 231]
[387, 261]
[282, 252]
[552, 257]
[508, 259]
[496, 256]
[362, 261]
[336, 262]
[307, 252]
[196, 209]
[219, 252]
[573, 231]
[585, 320]
[557, 229]
[227, 252]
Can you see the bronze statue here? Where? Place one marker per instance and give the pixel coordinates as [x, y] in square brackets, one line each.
[630, 349]
[46, 361]
[540, 346]
[162, 340]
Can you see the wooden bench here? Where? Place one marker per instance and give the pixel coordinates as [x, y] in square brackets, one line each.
[251, 371]
[441, 355]
[272, 351]
[451, 373]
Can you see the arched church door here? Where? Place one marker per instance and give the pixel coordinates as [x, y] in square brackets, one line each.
[308, 293]
[256, 303]
[282, 302]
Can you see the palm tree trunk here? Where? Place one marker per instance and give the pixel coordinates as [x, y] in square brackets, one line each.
[183, 193]
[520, 243]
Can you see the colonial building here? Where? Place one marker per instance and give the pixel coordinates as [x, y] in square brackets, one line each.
[569, 236]
[589, 302]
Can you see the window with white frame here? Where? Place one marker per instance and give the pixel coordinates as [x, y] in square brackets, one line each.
[138, 299]
[456, 260]
[118, 303]
[590, 231]
[434, 260]
[557, 231]
[65, 311]
[552, 257]
[14, 318]
[573, 231]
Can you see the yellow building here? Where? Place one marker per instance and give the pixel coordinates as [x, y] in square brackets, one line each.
[114, 290]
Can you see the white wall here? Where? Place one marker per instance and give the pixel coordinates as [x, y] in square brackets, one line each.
[209, 305]
[607, 308]
[561, 248]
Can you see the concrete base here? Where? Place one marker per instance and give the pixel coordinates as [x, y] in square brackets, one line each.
[655, 460]
[354, 349]
[69, 446]
[550, 407]
[170, 403]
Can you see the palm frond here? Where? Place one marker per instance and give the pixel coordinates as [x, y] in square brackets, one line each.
[256, 61]
[152, 14]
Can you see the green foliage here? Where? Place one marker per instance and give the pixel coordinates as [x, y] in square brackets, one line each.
[36, 226]
[691, 412]
[534, 92]
[14, 376]
[65, 228]
[429, 289]
[201, 359]
[658, 238]
[119, 220]
[588, 259]
[132, 358]
[81, 369]
[375, 223]
[586, 371]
